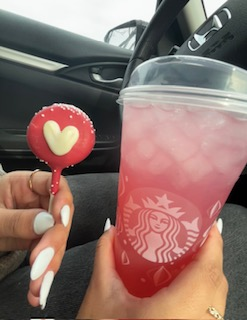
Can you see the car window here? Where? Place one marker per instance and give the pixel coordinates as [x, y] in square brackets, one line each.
[212, 5]
[92, 18]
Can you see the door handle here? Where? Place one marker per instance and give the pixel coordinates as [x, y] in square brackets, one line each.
[98, 78]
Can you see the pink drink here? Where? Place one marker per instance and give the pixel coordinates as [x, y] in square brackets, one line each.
[178, 166]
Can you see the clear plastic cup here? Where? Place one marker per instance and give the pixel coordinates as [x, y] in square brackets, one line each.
[184, 145]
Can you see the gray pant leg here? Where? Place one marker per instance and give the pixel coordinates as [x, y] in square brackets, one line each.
[66, 294]
[95, 199]
[235, 259]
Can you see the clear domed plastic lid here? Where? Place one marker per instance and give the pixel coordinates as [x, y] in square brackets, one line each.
[199, 77]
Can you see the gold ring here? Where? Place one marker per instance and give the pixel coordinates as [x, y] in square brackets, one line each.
[30, 182]
[215, 313]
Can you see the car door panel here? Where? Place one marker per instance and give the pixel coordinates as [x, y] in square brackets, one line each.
[41, 65]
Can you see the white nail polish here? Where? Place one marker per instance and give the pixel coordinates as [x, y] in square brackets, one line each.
[107, 225]
[43, 222]
[220, 225]
[45, 288]
[41, 262]
[65, 215]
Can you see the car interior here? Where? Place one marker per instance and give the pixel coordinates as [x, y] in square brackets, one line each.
[42, 64]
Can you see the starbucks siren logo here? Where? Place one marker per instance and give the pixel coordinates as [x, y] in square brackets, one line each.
[158, 229]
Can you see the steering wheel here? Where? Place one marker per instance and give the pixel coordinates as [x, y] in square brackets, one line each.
[222, 36]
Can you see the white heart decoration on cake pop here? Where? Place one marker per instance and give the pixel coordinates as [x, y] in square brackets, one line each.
[60, 141]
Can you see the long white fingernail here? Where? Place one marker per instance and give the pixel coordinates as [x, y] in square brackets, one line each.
[220, 225]
[43, 222]
[45, 288]
[41, 262]
[65, 215]
[107, 224]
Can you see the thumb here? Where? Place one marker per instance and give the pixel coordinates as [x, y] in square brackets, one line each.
[105, 278]
[100, 288]
[105, 285]
[104, 258]
[24, 223]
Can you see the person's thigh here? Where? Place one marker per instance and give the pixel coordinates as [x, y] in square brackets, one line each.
[95, 200]
[235, 259]
[66, 294]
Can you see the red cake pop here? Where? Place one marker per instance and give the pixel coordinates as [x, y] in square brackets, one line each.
[61, 135]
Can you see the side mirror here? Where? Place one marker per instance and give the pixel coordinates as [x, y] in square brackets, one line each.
[126, 35]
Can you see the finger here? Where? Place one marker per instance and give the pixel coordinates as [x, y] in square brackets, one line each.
[39, 289]
[104, 259]
[37, 196]
[41, 184]
[49, 251]
[104, 283]
[24, 224]
[38, 182]
[207, 264]
[215, 276]
[105, 277]
[220, 296]
[202, 281]
[13, 244]
[212, 248]
[62, 207]
[35, 286]
[31, 223]
[34, 301]
[25, 197]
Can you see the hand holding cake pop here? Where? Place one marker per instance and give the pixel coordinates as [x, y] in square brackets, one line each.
[61, 135]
